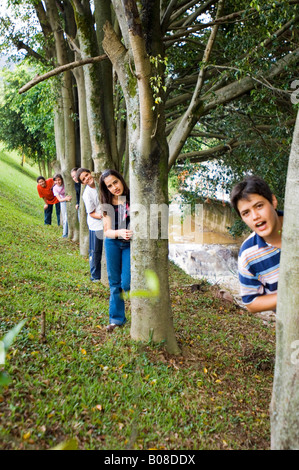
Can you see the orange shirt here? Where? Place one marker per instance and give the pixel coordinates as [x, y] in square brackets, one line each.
[47, 192]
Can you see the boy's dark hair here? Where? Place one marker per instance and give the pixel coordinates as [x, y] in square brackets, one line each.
[80, 171]
[40, 178]
[250, 185]
[74, 169]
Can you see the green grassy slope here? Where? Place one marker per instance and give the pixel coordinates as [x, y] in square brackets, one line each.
[106, 391]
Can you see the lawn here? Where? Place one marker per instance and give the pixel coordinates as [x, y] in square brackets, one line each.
[107, 391]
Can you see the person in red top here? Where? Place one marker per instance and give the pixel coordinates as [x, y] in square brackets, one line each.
[44, 189]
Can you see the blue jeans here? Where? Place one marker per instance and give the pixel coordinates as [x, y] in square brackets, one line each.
[95, 253]
[119, 277]
[48, 213]
[63, 212]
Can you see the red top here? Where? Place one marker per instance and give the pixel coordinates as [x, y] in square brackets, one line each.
[47, 192]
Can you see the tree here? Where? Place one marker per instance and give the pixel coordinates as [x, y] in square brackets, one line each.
[26, 122]
[148, 167]
[285, 398]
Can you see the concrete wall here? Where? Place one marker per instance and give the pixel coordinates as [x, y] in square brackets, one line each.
[217, 217]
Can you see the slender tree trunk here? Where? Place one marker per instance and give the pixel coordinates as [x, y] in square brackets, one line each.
[59, 127]
[285, 398]
[93, 86]
[86, 156]
[66, 152]
[102, 14]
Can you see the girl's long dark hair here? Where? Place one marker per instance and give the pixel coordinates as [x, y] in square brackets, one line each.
[105, 195]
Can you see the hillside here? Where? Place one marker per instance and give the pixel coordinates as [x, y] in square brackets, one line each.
[106, 391]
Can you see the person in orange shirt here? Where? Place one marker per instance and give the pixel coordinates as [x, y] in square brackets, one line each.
[44, 189]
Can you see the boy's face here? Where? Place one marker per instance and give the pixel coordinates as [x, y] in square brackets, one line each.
[260, 215]
[86, 178]
[42, 183]
[74, 176]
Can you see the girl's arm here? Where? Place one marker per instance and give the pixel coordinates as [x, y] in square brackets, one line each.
[62, 199]
[95, 215]
[110, 233]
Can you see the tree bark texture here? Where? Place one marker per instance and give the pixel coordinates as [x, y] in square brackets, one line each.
[285, 397]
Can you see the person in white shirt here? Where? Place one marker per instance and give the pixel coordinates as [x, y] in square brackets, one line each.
[94, 222]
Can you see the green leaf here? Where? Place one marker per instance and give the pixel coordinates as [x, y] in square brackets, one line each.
[9, 338]
[152, 281]
[153, 286]
[4, 379]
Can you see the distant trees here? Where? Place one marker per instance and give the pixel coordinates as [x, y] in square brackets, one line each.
[26, 123]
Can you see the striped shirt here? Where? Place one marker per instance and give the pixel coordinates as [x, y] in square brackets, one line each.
[258, 266]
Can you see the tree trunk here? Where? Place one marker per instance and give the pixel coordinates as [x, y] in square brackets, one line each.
[66, 151]
[285, 398]
[86, 158]
[93, 86]
[151, 318]
[102, 13]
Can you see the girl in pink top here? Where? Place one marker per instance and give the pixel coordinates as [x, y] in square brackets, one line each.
[59, 192]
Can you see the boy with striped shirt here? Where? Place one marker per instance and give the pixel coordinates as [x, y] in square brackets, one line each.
[259, 256]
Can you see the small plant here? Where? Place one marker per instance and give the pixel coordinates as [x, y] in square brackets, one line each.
[156, 81]
[5, 344]
[238, 228]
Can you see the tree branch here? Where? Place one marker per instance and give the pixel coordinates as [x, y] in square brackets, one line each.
[189, 118]
[182, 8]
[167, 15]
[240, 87]
[61, 69]
[214, 152]
[21, 45]
[143, 73]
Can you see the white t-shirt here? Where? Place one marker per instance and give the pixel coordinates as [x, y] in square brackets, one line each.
[91, 201]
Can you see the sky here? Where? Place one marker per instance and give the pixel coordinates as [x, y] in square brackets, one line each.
[3, 7]
[4, 10]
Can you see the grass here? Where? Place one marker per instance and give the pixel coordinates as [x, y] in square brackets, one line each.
[107, 391]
